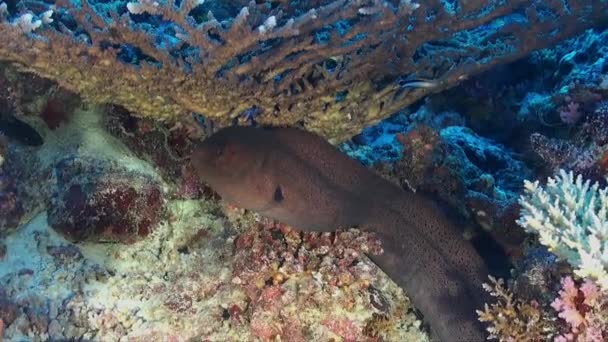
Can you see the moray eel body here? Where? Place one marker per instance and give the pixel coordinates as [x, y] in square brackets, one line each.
[300, 179]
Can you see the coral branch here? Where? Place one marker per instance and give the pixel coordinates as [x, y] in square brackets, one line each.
[333, 66]
[570, 217]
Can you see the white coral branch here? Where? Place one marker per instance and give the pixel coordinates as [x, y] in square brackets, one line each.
[144, 6]
[570, 217]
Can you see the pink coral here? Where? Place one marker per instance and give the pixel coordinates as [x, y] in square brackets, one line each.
[566, 304]
[584, 310]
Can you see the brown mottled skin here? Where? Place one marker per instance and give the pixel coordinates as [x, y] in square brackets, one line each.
[298, 178]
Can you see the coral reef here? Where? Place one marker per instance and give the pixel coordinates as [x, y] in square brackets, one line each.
[332, 66]
[434, 152]
[512, 319]
[106, 233]
[569, 216]
[583, 308]
[183, 282]
[275, 253]
[33, 100]
[548, 108]
[579, 62]
[561, 119]
[114, 243]
[546, 122]
[585, 152]
[284, 271]
[163, 146]
[577, 313]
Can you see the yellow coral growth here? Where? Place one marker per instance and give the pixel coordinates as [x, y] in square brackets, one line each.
[511, 319]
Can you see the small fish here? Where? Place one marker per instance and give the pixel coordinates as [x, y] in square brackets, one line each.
[20, 131]
[418, 83]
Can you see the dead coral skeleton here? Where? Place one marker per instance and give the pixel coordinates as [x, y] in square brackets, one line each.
[312, 65]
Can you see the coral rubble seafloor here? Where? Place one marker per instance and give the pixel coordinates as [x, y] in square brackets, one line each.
[107, 234]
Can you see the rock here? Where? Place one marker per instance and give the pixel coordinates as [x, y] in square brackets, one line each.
[97, 200]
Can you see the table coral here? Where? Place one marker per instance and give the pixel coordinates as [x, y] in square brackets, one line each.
[332, 66]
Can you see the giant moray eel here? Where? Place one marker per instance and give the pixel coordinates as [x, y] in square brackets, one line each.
[300, 179]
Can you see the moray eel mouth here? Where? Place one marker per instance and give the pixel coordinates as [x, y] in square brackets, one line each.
[301, 180]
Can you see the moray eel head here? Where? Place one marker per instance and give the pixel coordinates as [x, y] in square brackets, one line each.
[229, 164]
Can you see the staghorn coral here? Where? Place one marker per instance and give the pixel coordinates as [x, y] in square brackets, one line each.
[570, 217]
[331, 66]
